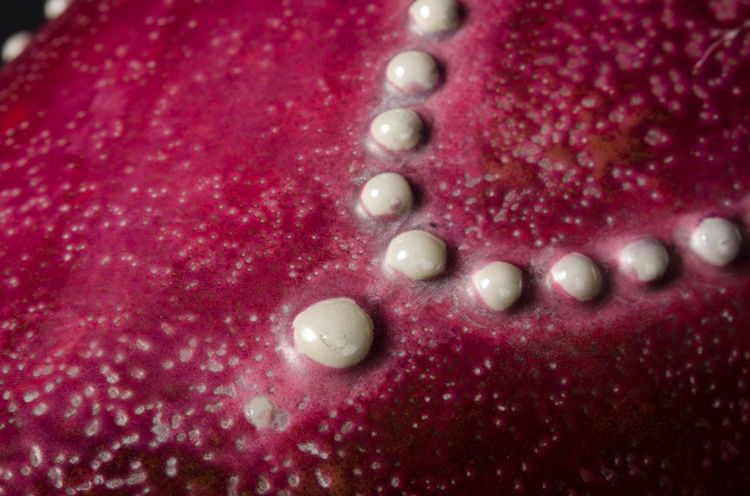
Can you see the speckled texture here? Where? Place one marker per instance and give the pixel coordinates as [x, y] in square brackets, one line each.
[179, 179]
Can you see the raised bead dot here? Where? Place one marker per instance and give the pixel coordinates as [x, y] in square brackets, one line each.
[646, 259]
[716, 240]
[498, 284]
[260, 411]
[387, 194]
[336, 332]
[577, 276]
[15, 45]
[418, 255]
[434, 16]
[397, 130]
[55, 8]
[412, 72]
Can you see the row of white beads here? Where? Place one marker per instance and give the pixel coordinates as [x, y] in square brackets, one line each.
[337, 332]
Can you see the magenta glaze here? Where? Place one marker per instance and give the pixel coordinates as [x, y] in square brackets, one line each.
[178, 179]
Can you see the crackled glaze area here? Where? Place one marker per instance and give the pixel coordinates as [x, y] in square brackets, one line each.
[178, 180]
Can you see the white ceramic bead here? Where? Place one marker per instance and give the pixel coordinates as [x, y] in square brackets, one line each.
[716, 240]
[387, 194]
[498, 284]
[397, 130]
[15, 45]
[434, 16]
[260, 411]
[577, 276]
[412, 71]
[336, 332]
[418, 255]
[646, 259]
[54, 8]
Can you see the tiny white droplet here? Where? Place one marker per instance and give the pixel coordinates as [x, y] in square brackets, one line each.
[54, 8]
[15, 45]
[646, 259]
[260, 411]
[387, 194]
[418, 255]
[577, 276]
[434, 16]
[498, 284]
[335, 332]
[716, 240]
[397, 129]
[412, 71]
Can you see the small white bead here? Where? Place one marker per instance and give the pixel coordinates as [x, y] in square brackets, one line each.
[54, 8]
[15, 45]
[434, 16]
[645, 258]
[387, 194]
[499, 284]
[397, 130]
[412, 72]
[716, 240]
[336, 332]
[259, 411]
[578, 276]
[418, 255]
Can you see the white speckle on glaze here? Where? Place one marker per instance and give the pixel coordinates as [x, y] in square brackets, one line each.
[577, 275]
[434, 16]
[716, 240]
[336, 332]
[259, 411]
[387, 194]
[15, 45]
[412, 71]
[54, 8]
[498, 284]
[418, 255]
[397, 130]
[646, 259]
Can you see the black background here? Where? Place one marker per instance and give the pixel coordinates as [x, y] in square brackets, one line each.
[20, 15]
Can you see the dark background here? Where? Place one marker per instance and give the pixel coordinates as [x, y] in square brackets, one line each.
[20, 15]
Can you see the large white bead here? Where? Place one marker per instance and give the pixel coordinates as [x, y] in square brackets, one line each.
[335, 333]
[578, 276]
[417, 254]
[716, 240]
[644, 258]
[55, 8]
[397, 129]
[387, 194]
[412, 71]
[498, 284]
[435, 16]
[15, 45]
